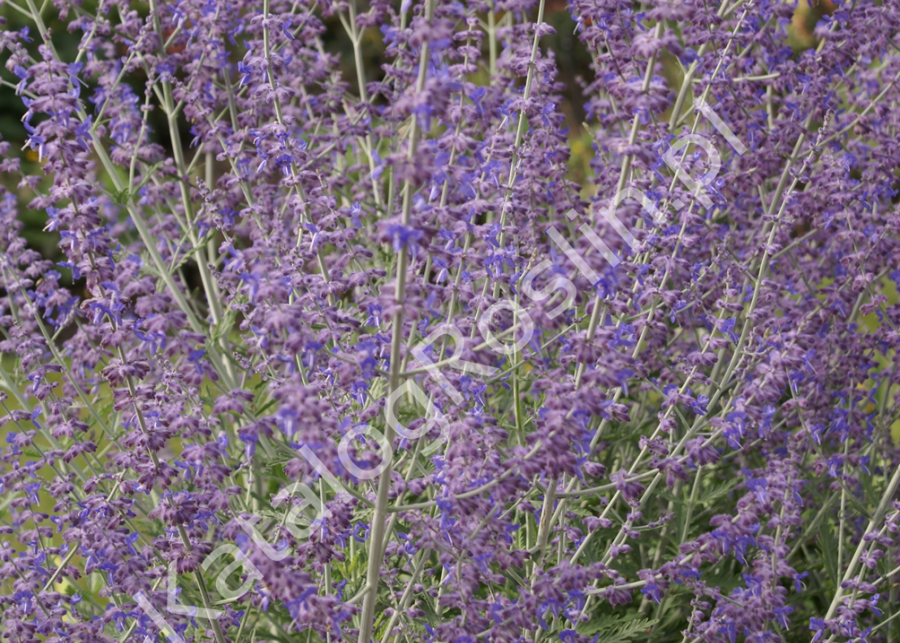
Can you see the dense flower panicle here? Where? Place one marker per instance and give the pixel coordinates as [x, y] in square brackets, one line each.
[359, 352]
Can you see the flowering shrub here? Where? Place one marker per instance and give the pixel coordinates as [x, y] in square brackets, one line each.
[356, 360]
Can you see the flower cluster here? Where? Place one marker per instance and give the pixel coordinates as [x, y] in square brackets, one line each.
[331, 356]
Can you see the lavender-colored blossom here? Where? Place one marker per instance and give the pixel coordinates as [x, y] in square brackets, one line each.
[407, 353]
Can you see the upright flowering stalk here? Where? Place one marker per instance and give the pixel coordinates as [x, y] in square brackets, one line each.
[332, 349]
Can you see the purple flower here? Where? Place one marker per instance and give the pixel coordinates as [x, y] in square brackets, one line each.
[233, 378]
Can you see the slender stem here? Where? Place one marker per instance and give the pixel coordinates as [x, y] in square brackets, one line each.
[520, 132]
[876, 519]
[377, 528]
[215, 307]
[204, 594]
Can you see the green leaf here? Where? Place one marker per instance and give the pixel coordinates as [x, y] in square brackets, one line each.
[593, 553]
[269, 513]
[431, 616]
[346, 568]
[827, 547]
[871, 497]
[665, 494]
[224, 327]
[121, 197]
[714, 492]
[724, 580]
[614, 628]
[147, 174]
[7, 501]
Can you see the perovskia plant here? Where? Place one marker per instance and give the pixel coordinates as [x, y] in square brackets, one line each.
[361, 347]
